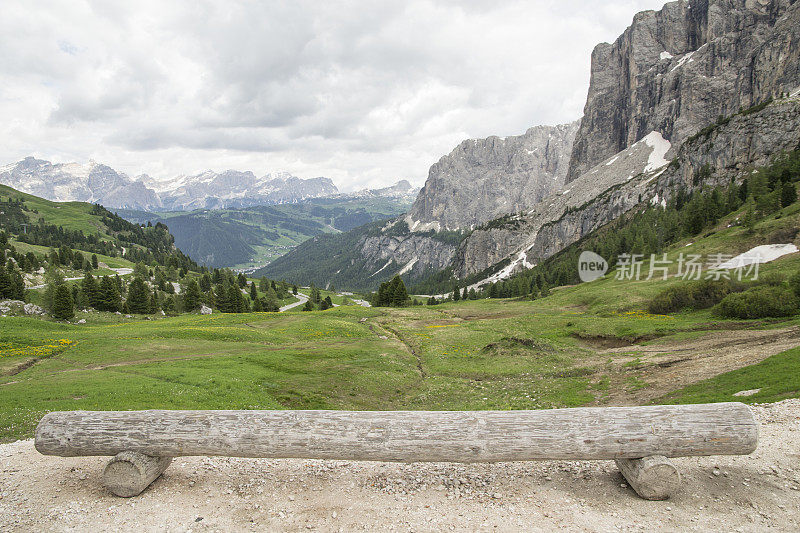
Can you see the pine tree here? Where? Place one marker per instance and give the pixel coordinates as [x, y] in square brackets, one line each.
[492, 290]
[221, 297]
[253, 292]
[308, 306]
[108, 295]
[205, 283]
[191, 298]
[140, 270]
[79, 299]
[77, 261]
[153, 306]
[464, 294]
[788, 194]
[236, 302]
[17, 285]
[399, 294]
[315, 294]
[5, 284]
[63, 307]
[95, 262]
[545, 290]
[270, 302]
[138, 300]
[456, 295]
[294, 290]
[91, 290]
[749, 218]
[169, 304]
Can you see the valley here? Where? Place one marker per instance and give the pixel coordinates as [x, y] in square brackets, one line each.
[250, 238]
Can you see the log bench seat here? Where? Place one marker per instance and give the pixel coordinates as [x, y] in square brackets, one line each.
[640, 439]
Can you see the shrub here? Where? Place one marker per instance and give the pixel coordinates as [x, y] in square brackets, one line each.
[759, 302]
[794, 283]
[773, 279]
[700, 294]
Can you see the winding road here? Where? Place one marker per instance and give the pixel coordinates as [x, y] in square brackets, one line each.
[302, 301]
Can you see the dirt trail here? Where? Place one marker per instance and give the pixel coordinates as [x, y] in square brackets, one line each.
[756, 493]
[667, 364]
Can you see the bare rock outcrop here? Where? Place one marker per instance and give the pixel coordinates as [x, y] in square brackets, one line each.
[676, 70]
[482, 179]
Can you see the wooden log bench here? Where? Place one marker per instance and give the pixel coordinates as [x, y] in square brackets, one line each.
[640, 439]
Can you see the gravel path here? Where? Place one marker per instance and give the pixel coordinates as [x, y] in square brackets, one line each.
[756, 493]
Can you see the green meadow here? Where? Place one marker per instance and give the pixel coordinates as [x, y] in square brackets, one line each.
[484, 354]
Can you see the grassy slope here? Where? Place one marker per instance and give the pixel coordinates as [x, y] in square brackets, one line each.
[486, 354]
[70, 215]
[776, 378]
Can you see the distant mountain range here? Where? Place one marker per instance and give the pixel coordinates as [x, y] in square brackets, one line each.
[98, 183]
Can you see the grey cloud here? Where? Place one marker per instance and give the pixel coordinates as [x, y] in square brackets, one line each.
[331, 88]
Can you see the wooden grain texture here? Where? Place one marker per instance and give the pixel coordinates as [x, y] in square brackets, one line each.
[653, 477]
[408, 436]
[129, 473]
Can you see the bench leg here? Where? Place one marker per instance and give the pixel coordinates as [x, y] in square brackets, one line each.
[653, 477]
[129, 473]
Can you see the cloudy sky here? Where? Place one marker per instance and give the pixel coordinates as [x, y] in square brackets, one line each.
[363, 92]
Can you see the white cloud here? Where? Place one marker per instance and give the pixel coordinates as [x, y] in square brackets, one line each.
[363, 92]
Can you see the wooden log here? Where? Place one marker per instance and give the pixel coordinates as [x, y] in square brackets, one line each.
[129, 473]
[653, 477]
[408, 436]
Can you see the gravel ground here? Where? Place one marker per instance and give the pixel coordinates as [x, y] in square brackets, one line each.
[760, 492]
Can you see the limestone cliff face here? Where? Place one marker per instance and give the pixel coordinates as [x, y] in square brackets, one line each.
[412, 254]
[482, 179]
[731, 149]
[675, 70]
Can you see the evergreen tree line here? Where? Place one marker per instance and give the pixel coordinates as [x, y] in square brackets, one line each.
[391, 293]
[151, 291]
[316, 301]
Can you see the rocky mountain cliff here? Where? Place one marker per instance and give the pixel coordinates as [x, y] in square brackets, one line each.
[482, 179]
[678, 69]
[74, 182]
[729, 150]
